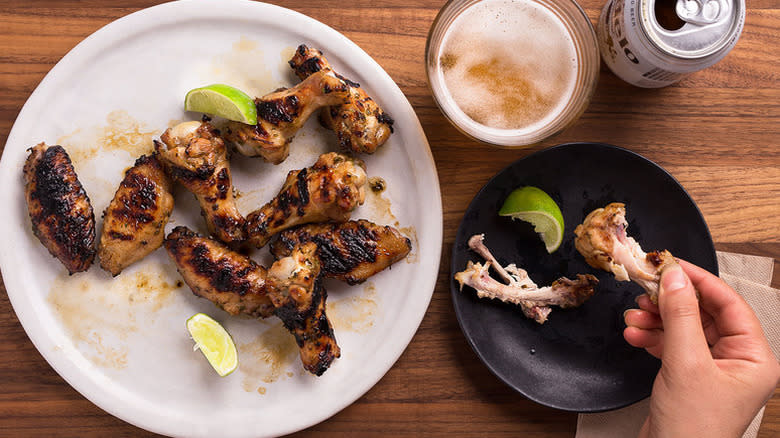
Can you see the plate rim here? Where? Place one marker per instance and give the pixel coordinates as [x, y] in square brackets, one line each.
[455, 290]
[89, 387]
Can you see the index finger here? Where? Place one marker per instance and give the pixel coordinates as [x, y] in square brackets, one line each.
[731, 313]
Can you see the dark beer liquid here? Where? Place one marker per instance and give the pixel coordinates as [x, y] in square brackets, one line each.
[666, 15]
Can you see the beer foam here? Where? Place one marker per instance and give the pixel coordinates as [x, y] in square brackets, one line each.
[509, 65]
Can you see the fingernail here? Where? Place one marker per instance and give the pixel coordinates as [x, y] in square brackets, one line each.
[673, 278]
[626, 313]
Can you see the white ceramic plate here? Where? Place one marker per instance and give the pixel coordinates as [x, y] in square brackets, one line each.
[122, 341]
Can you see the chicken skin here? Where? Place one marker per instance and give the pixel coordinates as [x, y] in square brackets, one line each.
[232, 281]
[134, 221]
[603, 241]
[282, 113]
[533, 300]
[196, 157]
[349, 251]
[329, 190]
[295, 287]
[59, 208]
[360, 124]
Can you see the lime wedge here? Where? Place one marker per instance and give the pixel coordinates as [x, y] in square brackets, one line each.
[223, 101]
[214, 342]
[533, 205]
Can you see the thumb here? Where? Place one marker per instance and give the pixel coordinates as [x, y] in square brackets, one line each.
[679, 309]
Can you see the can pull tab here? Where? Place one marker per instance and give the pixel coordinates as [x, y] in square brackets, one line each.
[702, 11]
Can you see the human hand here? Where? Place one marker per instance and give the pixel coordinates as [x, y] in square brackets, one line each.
[717, 369]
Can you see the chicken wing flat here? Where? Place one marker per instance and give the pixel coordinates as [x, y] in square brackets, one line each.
[59, 208]
[533, 300]
[350, 251]
[134, 221]
[329, 190]
[295, 287]
[360, 124]
[196, 157]
[603, 241]
[282, 113]
[213, 271]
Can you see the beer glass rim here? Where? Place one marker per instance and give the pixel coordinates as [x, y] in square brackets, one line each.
[582, 34]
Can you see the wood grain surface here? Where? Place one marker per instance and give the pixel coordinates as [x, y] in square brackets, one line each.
[716, 132]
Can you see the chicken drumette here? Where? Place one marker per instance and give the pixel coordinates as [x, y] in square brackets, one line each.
[295, 288]
[196, 157]
[134, 221]
[60, 211]
[359, 123]
[603, 241]
[533, 300]
[350, 251]
[282, 113]
[291, 289]
[328, 190]
[230, 280]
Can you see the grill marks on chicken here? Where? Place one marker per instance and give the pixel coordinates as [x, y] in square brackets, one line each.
[299, 299]
[291, 289]
[232, 281]
[134, 221]
[329, 190]
[282, 113]
[196, 157]
[533, 300]
[59, 208]
[350, 251]
[359, 123]
[602, 239]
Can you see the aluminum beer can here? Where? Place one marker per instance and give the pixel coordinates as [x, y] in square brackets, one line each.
[637, 44]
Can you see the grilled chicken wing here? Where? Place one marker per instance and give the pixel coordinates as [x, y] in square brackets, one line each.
[359, 123]
[603, 241]
[282, 113]
[330, 189]
[196, 157]
[60, 211]
[295, 287]
[350, 251]
[230, 280]
[533, 300]
[134, 221]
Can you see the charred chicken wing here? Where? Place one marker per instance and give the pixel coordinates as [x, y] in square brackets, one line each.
[603, 241]
[533, 300]
[350, 251]
[295, 287]
[329, 190]
[359, 123]
[196, 157]
[282, 113]
[60, 211]
[230, 280]
[134, 221]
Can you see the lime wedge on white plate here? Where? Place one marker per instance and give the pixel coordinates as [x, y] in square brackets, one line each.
[533, 205]
[222, 101]
[214, 342]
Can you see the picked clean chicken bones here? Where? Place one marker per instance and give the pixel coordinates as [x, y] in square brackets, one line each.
[310, 213]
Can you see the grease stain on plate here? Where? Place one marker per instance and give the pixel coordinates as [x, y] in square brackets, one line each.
[122, 132]
[99, 313]
[267, 358]
[244, 67]
[380, 207]
[356, 313]
[411, 233]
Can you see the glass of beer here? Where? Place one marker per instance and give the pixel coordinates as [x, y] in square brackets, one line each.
[512, 73]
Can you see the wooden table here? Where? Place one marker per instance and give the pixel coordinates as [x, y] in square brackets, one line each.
[716, 131]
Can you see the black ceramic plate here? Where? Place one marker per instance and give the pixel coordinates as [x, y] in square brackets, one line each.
[578, 360]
